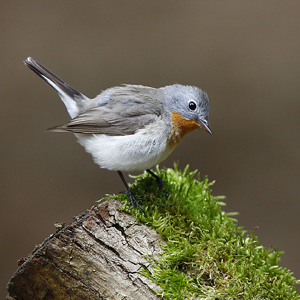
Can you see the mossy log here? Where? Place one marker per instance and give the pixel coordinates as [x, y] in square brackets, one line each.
[182, 247]
[98, 256]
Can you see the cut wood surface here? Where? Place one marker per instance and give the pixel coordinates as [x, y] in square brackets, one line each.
[98, 256]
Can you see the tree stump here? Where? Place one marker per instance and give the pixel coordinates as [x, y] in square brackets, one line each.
[98, 256]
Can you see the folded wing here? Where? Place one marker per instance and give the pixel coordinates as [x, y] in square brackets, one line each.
[117, 111]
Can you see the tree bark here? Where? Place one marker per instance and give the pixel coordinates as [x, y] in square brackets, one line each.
[98, 256]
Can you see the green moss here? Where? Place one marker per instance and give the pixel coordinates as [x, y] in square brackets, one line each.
[206, 255]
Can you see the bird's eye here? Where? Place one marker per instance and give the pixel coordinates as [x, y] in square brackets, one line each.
[192, 105]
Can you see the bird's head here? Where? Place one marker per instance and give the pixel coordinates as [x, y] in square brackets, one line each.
[189, 108]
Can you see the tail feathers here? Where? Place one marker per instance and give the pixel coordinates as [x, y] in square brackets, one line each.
[59, 128]
[69, 96]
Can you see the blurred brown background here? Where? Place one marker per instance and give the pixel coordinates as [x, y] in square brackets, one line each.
[245, 54]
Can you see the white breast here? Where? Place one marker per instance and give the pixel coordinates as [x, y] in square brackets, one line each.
[136, 152]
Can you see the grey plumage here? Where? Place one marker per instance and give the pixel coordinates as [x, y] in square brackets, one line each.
[117, 111]
[123, 110]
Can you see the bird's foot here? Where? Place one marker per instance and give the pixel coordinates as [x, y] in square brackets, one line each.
[159, 182]
[133, 199]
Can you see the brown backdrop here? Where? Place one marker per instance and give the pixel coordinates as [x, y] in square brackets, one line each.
[245, 54]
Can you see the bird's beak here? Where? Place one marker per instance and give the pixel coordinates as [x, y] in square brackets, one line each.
[204, 125]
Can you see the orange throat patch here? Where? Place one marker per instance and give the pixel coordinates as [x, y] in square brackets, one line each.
[180, 127]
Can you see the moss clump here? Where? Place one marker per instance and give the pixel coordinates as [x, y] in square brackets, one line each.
[206, 255]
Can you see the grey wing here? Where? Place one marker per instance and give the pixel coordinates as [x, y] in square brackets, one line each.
[124, 111]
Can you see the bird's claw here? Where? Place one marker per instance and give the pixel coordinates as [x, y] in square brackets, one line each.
[133, 199]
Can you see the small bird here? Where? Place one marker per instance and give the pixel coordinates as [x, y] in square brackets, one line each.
[130, 127]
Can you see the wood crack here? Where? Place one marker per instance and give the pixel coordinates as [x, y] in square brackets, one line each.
[98, 256]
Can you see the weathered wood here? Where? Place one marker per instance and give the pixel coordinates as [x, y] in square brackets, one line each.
[98, 256]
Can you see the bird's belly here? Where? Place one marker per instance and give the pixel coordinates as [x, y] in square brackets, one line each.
[129, 153]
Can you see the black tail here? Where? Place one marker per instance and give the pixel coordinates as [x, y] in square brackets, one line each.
[58, 84]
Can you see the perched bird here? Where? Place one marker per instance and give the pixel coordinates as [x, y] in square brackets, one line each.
[130, 127]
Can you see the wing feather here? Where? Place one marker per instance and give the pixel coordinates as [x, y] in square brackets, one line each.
[119, 111]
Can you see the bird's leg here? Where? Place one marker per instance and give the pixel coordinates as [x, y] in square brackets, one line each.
[133, 199]
[159, 182]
